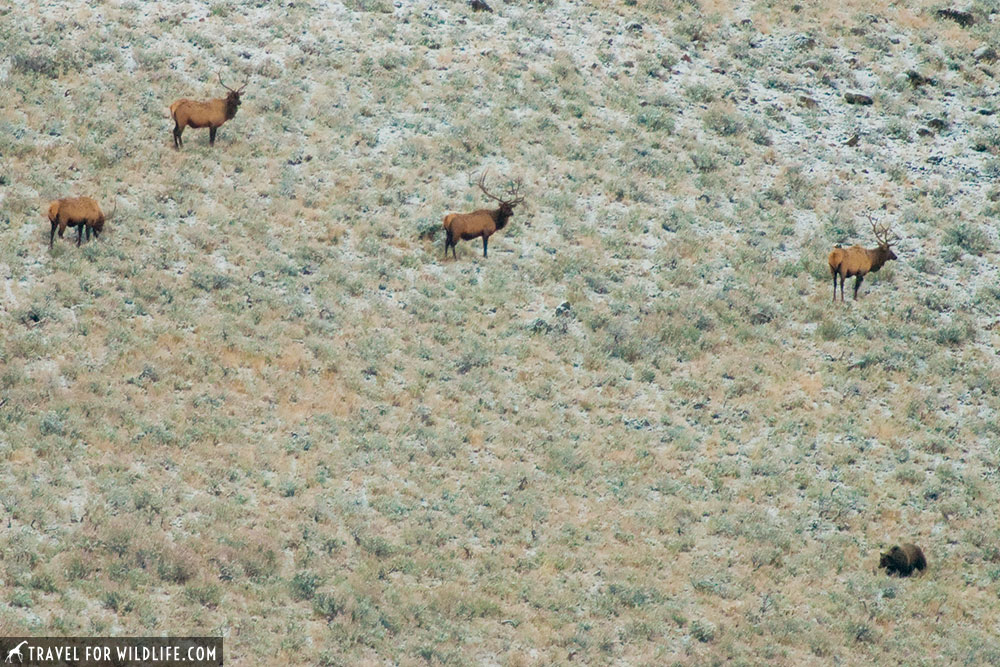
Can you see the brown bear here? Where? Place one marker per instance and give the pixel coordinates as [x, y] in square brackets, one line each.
[902, 560]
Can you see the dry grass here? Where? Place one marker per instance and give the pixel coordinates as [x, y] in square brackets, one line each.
[262, 405]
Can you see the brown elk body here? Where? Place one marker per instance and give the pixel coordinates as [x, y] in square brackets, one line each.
[480, 223]
[208, 113]
[81, 212]
[858, 261]
[903, 560]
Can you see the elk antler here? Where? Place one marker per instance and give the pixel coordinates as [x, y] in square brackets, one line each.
[113, 210]
[238, 90]
[512, 192]
[482, 186]
[882, 234]
[515, 189]
[890, 238]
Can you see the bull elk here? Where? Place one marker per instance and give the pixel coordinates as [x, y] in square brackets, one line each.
[81, 212]
[858, 261]
[208, 113]
[483, 222]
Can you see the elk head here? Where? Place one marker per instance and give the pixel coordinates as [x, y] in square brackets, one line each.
[884, 237]
[233, 98]
[506, 205]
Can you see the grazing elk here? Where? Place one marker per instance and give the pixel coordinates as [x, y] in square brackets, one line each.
[80, 212]
[483, 222]
[209, 113]
[858, 261]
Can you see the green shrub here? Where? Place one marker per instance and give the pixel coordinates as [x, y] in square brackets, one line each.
[327, 606]
[304, 585]
[967, 236]
[722, 121]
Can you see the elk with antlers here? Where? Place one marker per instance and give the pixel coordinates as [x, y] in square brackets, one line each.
[81, 212]
[858, 261]
[209, 113]
[483, 222]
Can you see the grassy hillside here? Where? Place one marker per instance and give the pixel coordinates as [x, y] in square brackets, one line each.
[263, 405]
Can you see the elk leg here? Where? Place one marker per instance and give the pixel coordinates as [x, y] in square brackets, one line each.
[52, 234]
[447, 242]
[857, 284]
[79, 235]
[842, 279]
[178, 142]
[211, 136]
[835, 288]
[484, 245]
